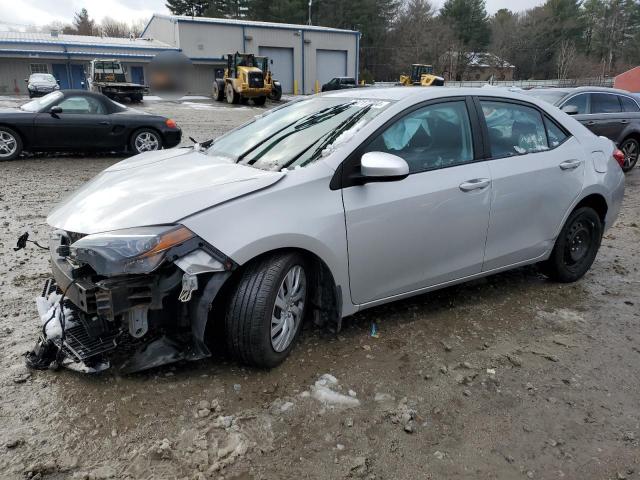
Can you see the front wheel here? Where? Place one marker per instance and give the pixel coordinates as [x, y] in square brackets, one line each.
[265, 312]
[10, 144]
[576, 246]
[145, 140]
[230, 93]
[631, 149]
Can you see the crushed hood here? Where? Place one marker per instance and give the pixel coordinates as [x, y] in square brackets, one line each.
[156, 188]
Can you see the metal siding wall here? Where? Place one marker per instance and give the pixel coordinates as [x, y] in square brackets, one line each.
[330, 64]
[201, 79]
[278, 38]
[13, 71]
[162, 29]
[216, 40]
[282, 66]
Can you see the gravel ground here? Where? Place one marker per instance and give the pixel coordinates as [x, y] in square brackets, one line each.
[507, 377]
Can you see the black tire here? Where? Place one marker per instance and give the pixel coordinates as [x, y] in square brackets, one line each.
[252, 305]
[276, 93]
[133, 144]
[576, 247]
[631, 149]
[218, 90]
[11, 144]
[260, 101]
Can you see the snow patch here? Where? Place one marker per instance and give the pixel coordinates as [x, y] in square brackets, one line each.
[324, 391]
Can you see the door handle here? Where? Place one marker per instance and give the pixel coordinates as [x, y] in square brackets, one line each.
[570, 164]
[624, 121]
[591, 122]
[104, 123]
[475, 184]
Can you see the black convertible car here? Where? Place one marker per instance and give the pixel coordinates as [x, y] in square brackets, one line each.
[77, 120]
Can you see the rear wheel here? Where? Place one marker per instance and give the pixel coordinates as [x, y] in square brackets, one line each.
[10, 144]
[265, 312]
[218, 91]
[576, 246]
[259, 101]
[230, 93]
[631, 149]
[145, 140]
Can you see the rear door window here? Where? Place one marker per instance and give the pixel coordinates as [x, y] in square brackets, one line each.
[514, 129]
[605, 103]
[555, 134]
[629, 105]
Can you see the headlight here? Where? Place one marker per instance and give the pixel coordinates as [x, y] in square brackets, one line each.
[31, 87]
[134, 250]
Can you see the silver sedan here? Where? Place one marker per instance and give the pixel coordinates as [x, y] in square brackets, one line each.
[318, 209]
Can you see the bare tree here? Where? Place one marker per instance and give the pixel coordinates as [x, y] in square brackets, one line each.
[110, 27]
[565, 58]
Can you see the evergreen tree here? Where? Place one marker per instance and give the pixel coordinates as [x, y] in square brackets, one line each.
[82, 24]
[194, 8]
[469, 20]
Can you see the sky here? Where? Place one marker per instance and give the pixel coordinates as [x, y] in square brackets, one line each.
[42, 12]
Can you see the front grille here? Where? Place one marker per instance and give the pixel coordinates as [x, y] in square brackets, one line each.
[256, 80]
[79, 345]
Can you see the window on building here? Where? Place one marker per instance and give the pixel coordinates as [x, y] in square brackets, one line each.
[39, 68]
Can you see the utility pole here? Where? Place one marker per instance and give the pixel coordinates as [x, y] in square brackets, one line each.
[309, 22]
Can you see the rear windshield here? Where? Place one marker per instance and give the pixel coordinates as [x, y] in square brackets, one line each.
[549, 96]
[42, 77]
[298, 133]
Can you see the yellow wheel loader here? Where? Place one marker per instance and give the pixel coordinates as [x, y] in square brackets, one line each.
[276, 86]
[243, 80]
[421, 75]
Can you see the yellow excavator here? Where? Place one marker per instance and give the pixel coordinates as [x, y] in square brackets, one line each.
[243, 80]
[421, 75]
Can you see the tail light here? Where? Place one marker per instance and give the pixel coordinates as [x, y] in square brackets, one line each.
[618, 155]
[171, 123]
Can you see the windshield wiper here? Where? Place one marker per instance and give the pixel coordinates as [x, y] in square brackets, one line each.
[300, 124]
[345, 125]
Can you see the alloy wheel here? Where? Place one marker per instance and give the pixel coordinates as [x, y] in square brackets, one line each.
[8, 144]
[146, 142]
[288, 309]
[631, 150]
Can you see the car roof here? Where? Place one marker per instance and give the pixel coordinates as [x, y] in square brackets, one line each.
[418, 94]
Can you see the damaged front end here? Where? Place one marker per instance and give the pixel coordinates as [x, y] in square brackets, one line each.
[132, 299]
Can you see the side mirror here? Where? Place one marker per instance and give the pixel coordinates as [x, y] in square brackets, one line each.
[58, 82]
[382, 167]
[26, 80]
[570, 109]
[55, 110]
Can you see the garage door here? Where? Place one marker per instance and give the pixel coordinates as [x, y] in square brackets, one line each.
[330, 63]
[281, 64]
